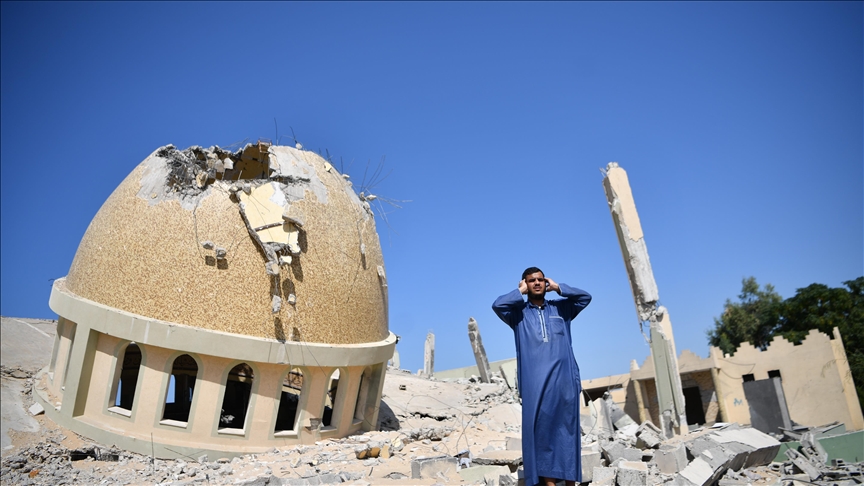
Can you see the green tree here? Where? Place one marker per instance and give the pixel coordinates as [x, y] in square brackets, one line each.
[752, 319]
[762, 314]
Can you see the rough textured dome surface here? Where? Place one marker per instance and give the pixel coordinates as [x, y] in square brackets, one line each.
[268, 241]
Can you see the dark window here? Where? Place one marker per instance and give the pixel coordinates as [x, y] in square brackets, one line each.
[774, 374]
[235, 403]
[292, 386]
[747, 378]
[330, 401]
[128, 377]
[362, 391]
[178, 399]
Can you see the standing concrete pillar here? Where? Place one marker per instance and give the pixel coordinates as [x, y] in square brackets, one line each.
[479, 351]
[429, 355]
[669, 392]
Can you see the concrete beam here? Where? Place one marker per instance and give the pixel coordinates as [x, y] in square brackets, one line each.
[429, 355]
[479, 351]
[646, 296]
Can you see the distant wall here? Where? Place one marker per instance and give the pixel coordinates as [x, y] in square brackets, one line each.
[816, 379]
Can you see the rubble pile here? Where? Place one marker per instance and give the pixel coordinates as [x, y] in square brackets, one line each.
[617, 452]
[458, 432]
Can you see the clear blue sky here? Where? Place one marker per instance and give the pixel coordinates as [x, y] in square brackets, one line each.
[740, 125]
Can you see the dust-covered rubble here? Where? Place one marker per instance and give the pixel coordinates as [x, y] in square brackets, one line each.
[436, 432]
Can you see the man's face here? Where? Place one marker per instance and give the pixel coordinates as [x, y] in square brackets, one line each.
[536, 284]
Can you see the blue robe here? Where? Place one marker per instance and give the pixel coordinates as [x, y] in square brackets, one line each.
[548, 379]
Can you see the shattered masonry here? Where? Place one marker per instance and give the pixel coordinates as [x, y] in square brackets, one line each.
[252, 282]
[646, 296]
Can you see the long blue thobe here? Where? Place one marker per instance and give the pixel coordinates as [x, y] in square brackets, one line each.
[549, 383]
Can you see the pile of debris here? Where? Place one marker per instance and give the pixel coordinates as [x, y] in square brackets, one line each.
[436, 432]
[616, 451]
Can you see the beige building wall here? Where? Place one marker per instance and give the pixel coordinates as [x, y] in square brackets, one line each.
[814, 374]
[90, 351]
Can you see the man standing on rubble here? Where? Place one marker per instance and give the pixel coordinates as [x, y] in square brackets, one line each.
[547, 375]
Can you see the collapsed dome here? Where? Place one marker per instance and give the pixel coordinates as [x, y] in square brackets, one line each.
[269, 242]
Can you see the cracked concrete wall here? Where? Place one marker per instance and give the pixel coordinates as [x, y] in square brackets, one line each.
[171, 243]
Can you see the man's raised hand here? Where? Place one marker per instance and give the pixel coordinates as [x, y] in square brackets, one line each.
[523, 286]
[551, 285]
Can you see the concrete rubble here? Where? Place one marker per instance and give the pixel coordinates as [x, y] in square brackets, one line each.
[430, 432]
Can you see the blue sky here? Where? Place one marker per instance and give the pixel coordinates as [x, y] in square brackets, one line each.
[739, 124]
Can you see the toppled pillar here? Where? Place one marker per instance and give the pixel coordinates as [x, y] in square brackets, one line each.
[479, 351]
[429, 355]
[630, 237]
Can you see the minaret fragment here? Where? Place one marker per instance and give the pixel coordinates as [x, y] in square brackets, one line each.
[629, 229]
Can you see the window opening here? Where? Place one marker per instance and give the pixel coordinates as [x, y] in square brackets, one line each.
[748, 377]
[329, 402]
[292, 387]
[181, 386]
[774, 374]
[235, 403]
[68, 358]
[125, 395]
[361, 396]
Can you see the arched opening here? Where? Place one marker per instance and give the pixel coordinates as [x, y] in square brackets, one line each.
[362, 392]
[235, 403]
[181, 385]
[292, 388]
[330, 400]
[124, 396]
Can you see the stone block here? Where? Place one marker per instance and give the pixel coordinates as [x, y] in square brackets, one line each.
[650, 435]
[514, 444]
[590, 460]
[429, 467]
[36, 409]
[762, 447]
[670, 459]
[477, 474]
[698, 473]
[604, 476]
[632, 473]
[613, 451]
[587, 422]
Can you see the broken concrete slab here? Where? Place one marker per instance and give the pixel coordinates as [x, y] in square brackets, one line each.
[590, 460]
[604, 476]
[804, 465]
[511, 459]
[671, 458]
[698, 473]
[603, 426]
[36, 409]
[632, 473]
[649, 435]
[429, 467]
[477, 474]
[613, 451]
[514, 444]
[762, 448]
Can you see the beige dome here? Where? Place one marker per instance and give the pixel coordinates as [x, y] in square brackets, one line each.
[268, 242]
